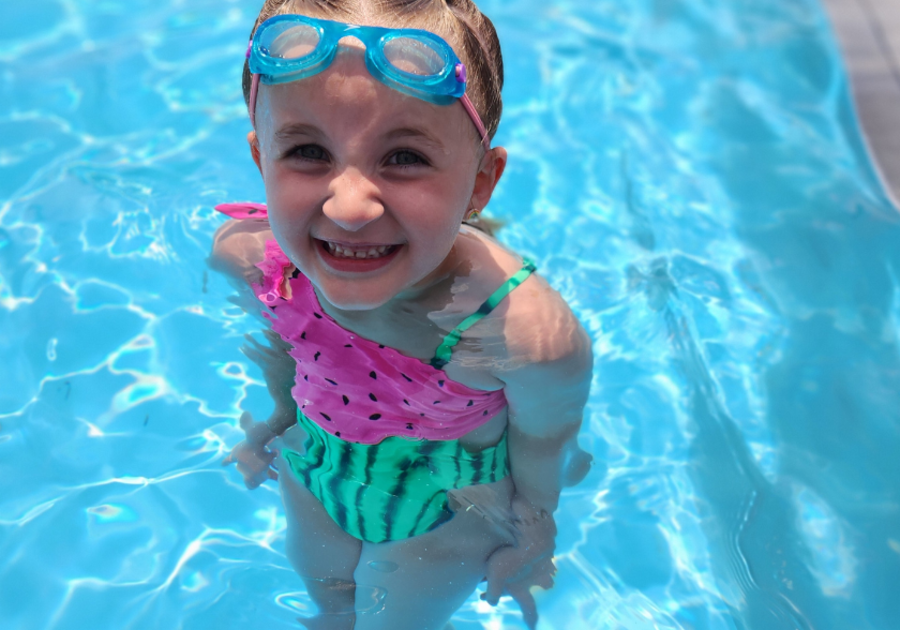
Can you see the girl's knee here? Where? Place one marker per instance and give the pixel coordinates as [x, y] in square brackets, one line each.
[335, 599]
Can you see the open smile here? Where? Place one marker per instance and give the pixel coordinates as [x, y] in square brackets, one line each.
[356, 257]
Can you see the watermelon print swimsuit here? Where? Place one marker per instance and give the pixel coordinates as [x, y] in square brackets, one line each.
[383, 428]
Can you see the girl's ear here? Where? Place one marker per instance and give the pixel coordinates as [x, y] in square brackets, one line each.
[253, 141]
[489, 173]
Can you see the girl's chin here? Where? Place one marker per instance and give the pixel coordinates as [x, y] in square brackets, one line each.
[356, 284]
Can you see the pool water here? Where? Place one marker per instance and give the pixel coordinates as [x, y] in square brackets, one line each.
[688, 173]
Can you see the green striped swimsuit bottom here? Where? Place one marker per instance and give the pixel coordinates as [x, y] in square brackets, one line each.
[394, 489]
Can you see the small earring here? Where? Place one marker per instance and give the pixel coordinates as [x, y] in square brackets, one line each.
[473, 214]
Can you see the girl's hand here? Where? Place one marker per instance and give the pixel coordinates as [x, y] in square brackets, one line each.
[515, 569]
[252, 457]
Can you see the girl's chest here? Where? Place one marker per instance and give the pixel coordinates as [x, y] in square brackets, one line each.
[473, 360]
[416, 335]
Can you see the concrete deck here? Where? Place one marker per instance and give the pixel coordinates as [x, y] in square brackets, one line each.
[869, 35]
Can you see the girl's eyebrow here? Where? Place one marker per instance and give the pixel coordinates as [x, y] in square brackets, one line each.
[297, 129]
[303, 129]
[414, 132]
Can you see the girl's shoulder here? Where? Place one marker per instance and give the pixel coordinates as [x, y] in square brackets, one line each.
[537, 324]
[238, 246]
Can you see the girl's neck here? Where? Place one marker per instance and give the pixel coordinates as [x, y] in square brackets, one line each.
[414, 304]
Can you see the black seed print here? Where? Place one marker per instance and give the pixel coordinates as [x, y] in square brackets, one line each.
[296, 273]
[372, 397]
[326, 416]
[337, 434]
[485, 413]
[317, 315]
[347, 345]
[330, 381]
[306, 377]
[406, 377]
[252, 211]
[273, 307]
[422, 414]
[380, 346]
[405, 401]
[375, 416]
[440, 383]
[373, 374]
[409, 426]
[436, 402]
[346, 400]
[316, 357]
[471, 402]
[303, 335]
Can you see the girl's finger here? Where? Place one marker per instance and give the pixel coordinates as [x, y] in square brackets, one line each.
[249, 351]
[545, 581]
[273, 475]
[499, 570]
[251, 339]
[525, 600]
[246, 421]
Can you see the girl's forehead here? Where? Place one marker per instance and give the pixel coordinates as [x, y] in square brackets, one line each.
[345, 95]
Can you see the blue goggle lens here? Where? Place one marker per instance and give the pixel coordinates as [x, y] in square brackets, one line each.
[290, 41]
[414, 56]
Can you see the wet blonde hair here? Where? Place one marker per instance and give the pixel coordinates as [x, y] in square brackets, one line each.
[470, 32]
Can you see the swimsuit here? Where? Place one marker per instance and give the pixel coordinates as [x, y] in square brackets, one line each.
[383, 428]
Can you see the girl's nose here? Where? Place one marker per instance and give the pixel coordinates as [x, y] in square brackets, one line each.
[354, 201]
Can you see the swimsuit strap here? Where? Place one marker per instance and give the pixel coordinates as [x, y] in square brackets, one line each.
[445, 350]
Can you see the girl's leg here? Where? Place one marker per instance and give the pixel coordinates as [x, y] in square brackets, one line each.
[425, 579]
[322, 553]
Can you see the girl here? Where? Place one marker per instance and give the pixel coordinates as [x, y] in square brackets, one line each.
[429, 386]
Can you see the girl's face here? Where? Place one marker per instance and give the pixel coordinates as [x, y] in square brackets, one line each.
[367, 187]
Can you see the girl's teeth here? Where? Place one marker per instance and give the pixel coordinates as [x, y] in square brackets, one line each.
[342, 252]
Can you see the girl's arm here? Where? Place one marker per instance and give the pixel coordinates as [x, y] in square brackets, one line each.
[546, 406]
[547, 387]
[237, 247]
[279, 369]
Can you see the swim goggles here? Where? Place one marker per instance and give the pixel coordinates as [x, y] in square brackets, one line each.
[415, 62]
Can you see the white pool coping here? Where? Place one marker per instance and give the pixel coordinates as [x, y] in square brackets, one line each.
[869, 35]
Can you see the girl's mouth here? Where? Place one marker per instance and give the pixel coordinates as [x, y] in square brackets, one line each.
[358, 258]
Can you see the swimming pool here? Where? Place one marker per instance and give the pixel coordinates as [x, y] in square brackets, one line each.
[689, 175]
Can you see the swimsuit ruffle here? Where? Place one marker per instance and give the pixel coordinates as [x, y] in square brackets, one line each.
[272, 266]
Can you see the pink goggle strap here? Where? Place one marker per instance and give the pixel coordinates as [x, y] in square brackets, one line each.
[473, 114]
[254, 90]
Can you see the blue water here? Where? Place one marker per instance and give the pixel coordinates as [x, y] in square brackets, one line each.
[688, 173]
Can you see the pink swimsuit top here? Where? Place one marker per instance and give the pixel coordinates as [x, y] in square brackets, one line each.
[352, 387]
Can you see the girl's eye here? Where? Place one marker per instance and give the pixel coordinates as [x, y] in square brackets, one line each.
[405, 158]
[310, 152]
